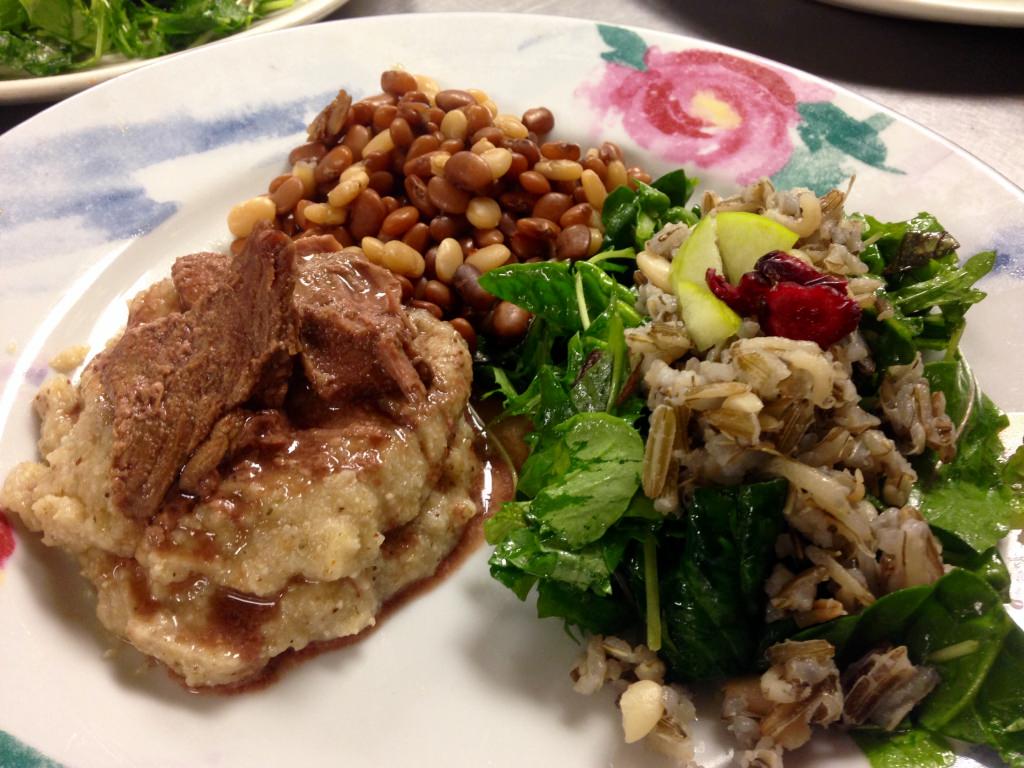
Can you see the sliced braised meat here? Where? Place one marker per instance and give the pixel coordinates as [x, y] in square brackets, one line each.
[198, 275]
[171, 379]
[354, 336]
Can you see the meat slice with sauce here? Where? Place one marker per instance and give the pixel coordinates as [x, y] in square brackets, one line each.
[170, 380]
[353, 335]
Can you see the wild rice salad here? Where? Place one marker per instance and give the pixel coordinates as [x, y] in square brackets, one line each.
[781, 479]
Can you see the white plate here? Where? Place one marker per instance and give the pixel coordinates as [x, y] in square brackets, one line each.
[99, 194]
[996, 13]
[32, 89]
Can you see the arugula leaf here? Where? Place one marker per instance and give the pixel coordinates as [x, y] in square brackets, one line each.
[523, 549]
[712, 586]
[976, 496]
[45, 37]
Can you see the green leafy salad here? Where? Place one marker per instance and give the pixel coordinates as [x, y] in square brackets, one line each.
[742, 546]
[49, 37]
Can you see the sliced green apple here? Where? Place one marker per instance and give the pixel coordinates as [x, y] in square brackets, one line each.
[743, 238]
[708, 319]
[697, 254]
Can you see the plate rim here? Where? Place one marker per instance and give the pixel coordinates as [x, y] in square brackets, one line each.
[987, 13]
[684, 40]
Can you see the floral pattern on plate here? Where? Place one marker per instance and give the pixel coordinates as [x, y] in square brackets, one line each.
[716, 110]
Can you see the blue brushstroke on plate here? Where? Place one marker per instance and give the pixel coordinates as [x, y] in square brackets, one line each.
[1008, 244]
[93, 167]
[14, 754]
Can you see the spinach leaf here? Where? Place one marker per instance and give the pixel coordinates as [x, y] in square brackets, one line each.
[583, 609]
[546, 289]
[712, 583]
[584, 480]
[957, 625]
[914, 748]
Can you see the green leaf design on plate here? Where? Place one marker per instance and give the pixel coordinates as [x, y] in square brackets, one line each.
[628, 48]
[830, 138]
[14, 754]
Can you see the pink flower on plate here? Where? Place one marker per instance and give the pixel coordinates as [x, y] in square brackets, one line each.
[708, 108]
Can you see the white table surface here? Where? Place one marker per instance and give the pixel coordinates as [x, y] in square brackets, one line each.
[964, 82]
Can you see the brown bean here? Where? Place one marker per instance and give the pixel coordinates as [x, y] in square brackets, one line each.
[467, 282]
[596, 164]
[299, 216]
[453, 98]
[578, 214]
[466, 331]
[519, 203]
[421, 145]
[367, 213]
[390, 202]
[543, 229]
[639, 174]
[438, 293]
[573, 242]
[579, 195]
[610, 151]
[518, 166]
[435, 115]
[401, 132]
[468, 172]
[509, 322]
[484, 237]
[415, 96]
[287, 194]
[419, 165]
[417, 237]
[446, 196]
[489, 132]
[312, 150]
[451, 146]
[447, 226]
[526, 148]
[382, 182]
[383, 115]
[467, 244]
[397, 82]
[380, 98]
[413, 113]
[333, 163]
[361, 113]
[377, 161]
[429, 306]
[507, 225]
[560, 150]
[277, 181]
[399, 221]
[539, 120]
[477, 117]
[416, 191]
[534, 183]
[357, 137]
[552, 205]
[341, 235]
[407, 287]
[529, 248]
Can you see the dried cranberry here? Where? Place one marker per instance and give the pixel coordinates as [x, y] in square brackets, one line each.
[744, 299]
[815, 313]
[780, 267]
